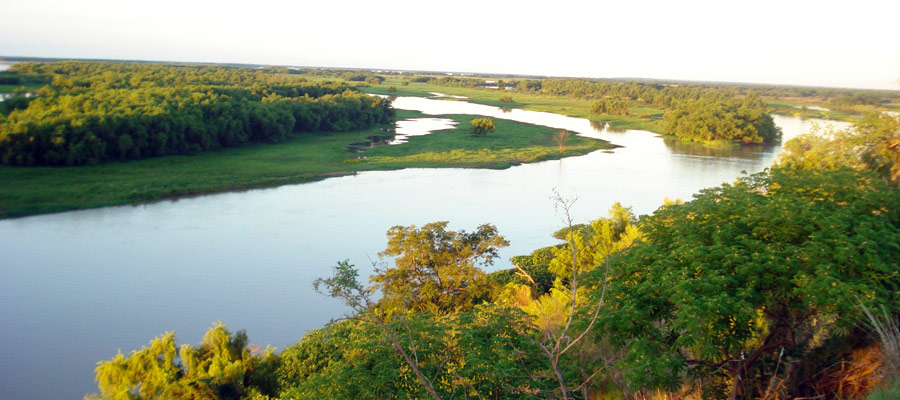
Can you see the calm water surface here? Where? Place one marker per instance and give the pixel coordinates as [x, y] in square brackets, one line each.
[78, 286]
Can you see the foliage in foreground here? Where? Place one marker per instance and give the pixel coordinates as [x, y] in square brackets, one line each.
[723, 296]
[728, 284]
[222, 368]
[872, 143]
[436, 270]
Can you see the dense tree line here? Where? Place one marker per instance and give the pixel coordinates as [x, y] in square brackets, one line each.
[449, 81]
[18, 78]
[663, 94]
[610, 106]
[856, 99]
[97, 112]
[657, 93]
[710, 118]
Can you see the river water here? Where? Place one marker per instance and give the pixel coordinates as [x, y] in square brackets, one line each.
[78, 286]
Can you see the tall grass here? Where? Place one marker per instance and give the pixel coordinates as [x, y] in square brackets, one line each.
[887, 329]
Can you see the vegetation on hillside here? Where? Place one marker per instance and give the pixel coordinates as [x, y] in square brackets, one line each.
[747, 291]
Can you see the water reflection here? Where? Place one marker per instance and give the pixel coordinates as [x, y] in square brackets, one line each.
[719, 150]
[420, 127]
[449, 96]
[603, 126]
[401, 132]
[817, 108]
[371, 141]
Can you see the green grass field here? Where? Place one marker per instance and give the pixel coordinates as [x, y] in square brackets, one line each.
[308, 157]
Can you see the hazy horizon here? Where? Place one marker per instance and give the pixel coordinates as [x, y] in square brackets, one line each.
[462, 73]
[801, 43]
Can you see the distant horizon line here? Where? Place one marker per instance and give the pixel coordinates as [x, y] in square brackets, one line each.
[462, 73]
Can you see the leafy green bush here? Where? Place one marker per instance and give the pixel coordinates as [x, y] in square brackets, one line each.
[481, 126]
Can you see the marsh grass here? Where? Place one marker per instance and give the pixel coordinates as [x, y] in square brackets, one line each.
[887, 330]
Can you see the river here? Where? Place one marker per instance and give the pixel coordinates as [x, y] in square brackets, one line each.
[78, 286]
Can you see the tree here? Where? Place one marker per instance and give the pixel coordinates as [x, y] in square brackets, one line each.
[747, 271]
[561, 137]
[610, 106]
[437, 270]
[485, 353]
[713, 117]
[345, 285]
[481, 126]
[222, 367]
[565, 317]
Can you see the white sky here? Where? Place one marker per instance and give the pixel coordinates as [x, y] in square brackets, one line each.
[819, 43]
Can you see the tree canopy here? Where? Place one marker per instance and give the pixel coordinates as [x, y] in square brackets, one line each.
[481, 126]
[715, 118]
[221, 367]
[721, 284]
[437, 270]
[872, 143]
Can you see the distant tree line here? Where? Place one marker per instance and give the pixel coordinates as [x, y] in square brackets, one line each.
[642, 91]
[694, 113]
[691, 109]
[93, 112]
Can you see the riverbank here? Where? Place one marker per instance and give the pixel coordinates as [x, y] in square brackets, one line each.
[303, 158]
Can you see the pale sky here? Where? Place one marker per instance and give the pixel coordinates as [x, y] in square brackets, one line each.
[817, 43]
